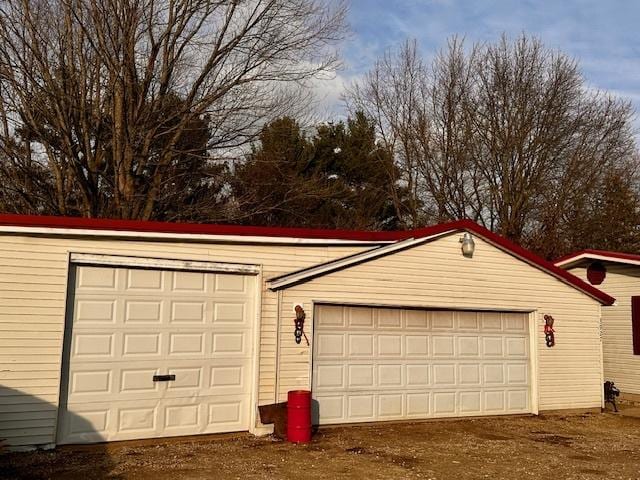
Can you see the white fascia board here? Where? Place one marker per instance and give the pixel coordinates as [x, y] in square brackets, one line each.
[593, 256]
[162, 263]
[185, 237]
[328, 267]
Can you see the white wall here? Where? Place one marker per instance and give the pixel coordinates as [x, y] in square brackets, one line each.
[33, 285]
[437, 275]
[620, 364]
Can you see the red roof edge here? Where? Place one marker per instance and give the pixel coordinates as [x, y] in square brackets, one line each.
[602, 253]
[37, 221]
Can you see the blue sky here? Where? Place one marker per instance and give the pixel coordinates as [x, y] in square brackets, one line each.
[603, 35]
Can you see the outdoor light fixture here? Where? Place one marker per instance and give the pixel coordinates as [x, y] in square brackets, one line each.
[468, 246]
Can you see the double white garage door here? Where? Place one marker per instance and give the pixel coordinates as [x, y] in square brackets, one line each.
[387, 364]
[156, 353]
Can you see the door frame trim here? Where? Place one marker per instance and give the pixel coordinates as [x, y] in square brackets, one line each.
[75, 259]
[162, 263]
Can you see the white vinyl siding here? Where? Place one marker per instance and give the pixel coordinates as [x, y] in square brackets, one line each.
[33, 285]
[437, 275]
[620, 364]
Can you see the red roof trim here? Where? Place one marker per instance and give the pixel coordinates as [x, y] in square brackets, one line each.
[613, 256]
[35, 221]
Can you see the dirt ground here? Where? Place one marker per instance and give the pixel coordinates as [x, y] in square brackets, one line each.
[573, 447]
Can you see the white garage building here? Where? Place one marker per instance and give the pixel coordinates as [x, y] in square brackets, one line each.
[115, 330]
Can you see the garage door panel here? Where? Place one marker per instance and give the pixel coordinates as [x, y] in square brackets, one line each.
[96, 278]
[186, 378]
[444, 374]
[418, 375]
[99, 345]
[389, 346]
[136, 345]
[93, 382]
[390, 405]
[227, 416]
[187, 312]
[417, 345]
[142, 311]
[416, 319]
[443, 345]
[332, 316]
[230, 344]
[469, 374]
[231, 283]
[360, 376]
[517, 374]
[516, 347]
[492, 346]
[441, 320]
[181, 344]
[138, 380]
[468, 346]
[144, 279]
[514, 323]
[233, 313]
[493, 374]
[358, 318]
[190, 282]
[95, 310]
[361, 407]
[139, 323]
[436, 364]
[330, 345]
[390, 376]
[418, 405]
[360, 345]
[88, 426]
[490, 321]
[517, 400]
[444, 403]
[389, 319]
[329, 377]
[469, 402]
[182, 418]
[467, 321]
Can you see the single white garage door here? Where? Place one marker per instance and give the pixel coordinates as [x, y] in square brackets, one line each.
[156, 353]
[387, 364]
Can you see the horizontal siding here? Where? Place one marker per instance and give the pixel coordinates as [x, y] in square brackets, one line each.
[33, 278]
[437, 275]
[620, 364]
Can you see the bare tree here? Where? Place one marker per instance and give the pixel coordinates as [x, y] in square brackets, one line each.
[393, 94]
[507, 134]
[104, 95]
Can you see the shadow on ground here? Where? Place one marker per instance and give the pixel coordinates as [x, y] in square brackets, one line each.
[27, 418]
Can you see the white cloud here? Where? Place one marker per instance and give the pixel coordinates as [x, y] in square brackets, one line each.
[602, 35]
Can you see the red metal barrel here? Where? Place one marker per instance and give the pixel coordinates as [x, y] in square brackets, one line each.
[299, 416]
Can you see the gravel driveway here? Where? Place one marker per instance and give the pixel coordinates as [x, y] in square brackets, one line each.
[572, 447]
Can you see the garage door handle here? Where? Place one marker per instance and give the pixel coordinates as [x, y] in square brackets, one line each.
[164, 378]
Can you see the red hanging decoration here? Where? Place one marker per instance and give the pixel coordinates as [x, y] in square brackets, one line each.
[549, 331]
[299, 322]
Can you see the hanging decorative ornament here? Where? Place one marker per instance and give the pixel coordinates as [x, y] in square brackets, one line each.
[299, 322]
[549, 331]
